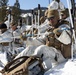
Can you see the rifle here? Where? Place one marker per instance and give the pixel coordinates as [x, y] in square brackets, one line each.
[73, 9]
[72, 14]
[38, 19]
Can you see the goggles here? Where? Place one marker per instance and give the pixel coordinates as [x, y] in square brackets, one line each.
[51, 18]
[62, 14]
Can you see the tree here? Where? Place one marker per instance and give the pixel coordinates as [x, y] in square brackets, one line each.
[3, 6]
[2, 13]
[16, 13]
[3, 2]
[17, 4]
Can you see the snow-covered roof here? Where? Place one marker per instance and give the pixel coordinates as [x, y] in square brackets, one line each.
[25, 15]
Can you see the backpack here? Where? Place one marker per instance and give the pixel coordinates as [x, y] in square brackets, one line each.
[24, 66]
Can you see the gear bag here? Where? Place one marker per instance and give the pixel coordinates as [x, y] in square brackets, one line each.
[24, 66]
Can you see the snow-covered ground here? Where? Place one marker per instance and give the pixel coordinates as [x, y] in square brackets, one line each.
[65, 68]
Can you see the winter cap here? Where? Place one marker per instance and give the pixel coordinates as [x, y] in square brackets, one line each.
[65, 12]
[53, 13]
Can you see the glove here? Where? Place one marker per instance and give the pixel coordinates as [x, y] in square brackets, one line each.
[57, 31]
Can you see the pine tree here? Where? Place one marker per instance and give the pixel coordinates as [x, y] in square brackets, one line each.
[3, 6]
[16, 13]
[3, 2]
